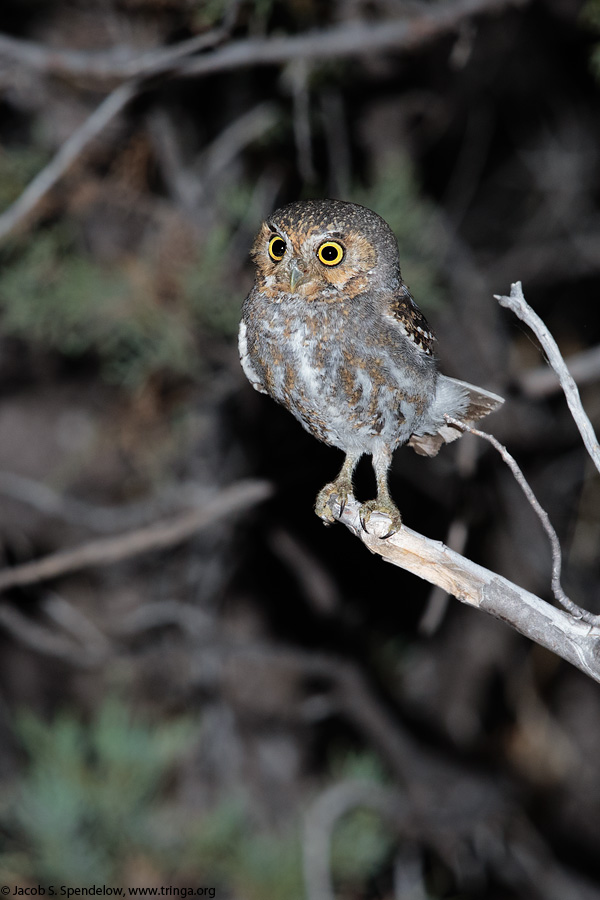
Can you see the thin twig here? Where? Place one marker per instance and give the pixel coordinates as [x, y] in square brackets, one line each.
[75, 623]
[517, 304]
[101, 519]
[354, 39]
[248, 127]
[542, 515]
[117, 63]
[188, 618]
[47, 642]
[159, 536]
[73, 147]
[318, 586]
[298, 77]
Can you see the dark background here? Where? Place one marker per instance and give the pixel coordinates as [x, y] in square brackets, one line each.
[170, 719]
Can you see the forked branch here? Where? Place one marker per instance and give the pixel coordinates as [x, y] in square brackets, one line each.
[517, 304]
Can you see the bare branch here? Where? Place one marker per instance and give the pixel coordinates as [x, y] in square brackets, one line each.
[518, 305]
[346, 40]
[116, 64]
[159, 536]
[570, 638]
[47, 642]
[73, 147]
[355, 39]
[250, 126]
[297, 75]
[313, 578]
[437, 602]
[102, 519]
[75, 623]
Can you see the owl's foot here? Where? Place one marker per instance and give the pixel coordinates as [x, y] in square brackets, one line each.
[380, 507]
[331, 500]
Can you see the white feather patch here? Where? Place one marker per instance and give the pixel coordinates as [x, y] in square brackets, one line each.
[249, 370]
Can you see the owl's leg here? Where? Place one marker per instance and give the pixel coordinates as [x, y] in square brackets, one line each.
[337, 492]
[383, 503]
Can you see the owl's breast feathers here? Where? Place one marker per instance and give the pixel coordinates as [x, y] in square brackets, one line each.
[351, 374]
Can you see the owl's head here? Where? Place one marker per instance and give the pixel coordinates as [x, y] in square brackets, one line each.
[323, 248]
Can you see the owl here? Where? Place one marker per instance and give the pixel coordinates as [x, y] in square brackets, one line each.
[330, 331]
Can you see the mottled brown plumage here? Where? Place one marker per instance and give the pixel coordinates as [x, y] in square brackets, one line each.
[331, 331]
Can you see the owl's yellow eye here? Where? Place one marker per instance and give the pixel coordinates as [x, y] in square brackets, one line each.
[276, 248]
[330, 253]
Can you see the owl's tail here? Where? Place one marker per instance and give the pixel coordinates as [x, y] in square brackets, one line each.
[460, 400]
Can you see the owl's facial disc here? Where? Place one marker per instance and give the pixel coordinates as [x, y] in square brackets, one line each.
[326, 260]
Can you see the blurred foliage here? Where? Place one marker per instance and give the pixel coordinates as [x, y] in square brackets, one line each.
[362, 840]
[94, 795]
[207, 13]
[361, 844]
[396, 197]
[55, 295]
[88, 791]
[358, 767]
[269, 866]
[204, 287]
[590, 16]
[17, 168]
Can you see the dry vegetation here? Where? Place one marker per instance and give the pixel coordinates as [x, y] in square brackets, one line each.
[243, 700]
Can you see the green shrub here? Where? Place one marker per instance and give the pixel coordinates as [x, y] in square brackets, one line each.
[590, 16]
[88, 793]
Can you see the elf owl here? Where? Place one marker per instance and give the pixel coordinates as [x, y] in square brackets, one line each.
[330, 331]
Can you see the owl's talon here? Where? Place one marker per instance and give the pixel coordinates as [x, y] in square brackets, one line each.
[383, 508]
[331, 496]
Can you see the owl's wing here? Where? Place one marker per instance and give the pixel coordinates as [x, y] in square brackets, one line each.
[412, 321]
[476, 404]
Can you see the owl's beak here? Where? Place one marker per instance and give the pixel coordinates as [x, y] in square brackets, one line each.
[297, 276]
